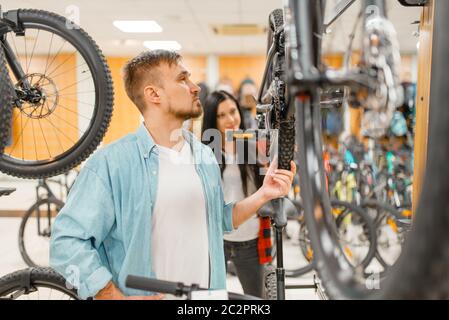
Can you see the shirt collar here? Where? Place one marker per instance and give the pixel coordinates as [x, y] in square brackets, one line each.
[146, 142]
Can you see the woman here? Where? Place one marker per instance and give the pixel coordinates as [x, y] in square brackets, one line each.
[248, 247]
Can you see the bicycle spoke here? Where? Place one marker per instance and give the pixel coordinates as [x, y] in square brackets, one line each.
[73, 100]
[15, 118]
[58, 66]
[74, 84]
[34, 47]
[60, 131]
[26, 54]
[34, 139]
[49, 49]
[21, 124]
[70, 94]
[60, 105]
[43, 135]
[82, 102]
[63, 73]
[71, 125]
[54, 57]
[59, 140]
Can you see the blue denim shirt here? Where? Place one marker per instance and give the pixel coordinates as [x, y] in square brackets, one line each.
[103, 232]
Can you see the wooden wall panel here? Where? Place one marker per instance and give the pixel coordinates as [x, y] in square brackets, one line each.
[126, 117]
[238, 68]
[197, 66]
[423, 98]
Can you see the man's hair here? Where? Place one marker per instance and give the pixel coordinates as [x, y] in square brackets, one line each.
[143, 70]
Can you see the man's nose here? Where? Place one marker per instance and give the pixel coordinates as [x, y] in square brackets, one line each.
[195, 88]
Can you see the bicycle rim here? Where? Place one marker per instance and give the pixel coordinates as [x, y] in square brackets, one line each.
[57, 132]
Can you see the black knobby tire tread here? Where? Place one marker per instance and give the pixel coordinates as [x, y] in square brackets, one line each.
[286, 144]
[22, 249]
[33, 173]
[270, 282]
[276, 20]
[6, 102]
[37, 276]
[287, 127]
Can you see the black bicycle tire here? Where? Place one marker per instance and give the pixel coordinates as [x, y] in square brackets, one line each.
[298, 272]
[371, 232]
[104, 100]
[6, 102]
[393, 212]
[39, 277]
[23, 252]
[286, 144]
[293, 273]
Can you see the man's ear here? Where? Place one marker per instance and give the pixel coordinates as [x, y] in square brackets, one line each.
[151, 94]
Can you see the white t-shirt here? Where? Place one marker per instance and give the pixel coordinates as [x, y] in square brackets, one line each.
[180, 250]
[233, 192]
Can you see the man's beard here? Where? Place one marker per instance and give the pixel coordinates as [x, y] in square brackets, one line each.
[194, 112]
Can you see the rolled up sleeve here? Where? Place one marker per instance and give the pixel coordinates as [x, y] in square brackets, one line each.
[79, 231]
[228, 225]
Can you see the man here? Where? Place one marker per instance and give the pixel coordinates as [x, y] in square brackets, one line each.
[134, 210]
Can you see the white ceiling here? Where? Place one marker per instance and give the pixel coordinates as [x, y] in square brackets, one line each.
[189, 21]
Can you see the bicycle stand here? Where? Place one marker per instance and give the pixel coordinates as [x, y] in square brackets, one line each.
[275, 210]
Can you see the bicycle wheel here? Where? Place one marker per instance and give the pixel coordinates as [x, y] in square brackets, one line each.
[302, 262]
[64, 99]
[35, 232]
[36, 284]
[283, 121]
[357, 237]
[357, 233]
[391, 233]
[6, 101]
[338, 276]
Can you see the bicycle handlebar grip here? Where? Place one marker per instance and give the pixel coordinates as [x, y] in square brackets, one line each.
[154, 285]
[280, 217]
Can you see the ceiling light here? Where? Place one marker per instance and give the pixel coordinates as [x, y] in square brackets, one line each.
[166, 45]
[136, 26]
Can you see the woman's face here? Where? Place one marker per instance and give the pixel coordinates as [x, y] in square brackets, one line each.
[228, 116]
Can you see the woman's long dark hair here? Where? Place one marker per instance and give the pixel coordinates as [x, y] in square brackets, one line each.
[210, 122]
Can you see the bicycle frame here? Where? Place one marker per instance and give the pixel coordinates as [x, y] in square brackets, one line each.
[10, 21]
